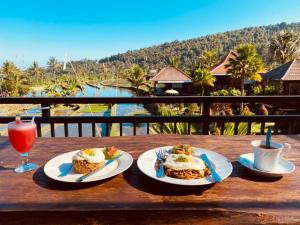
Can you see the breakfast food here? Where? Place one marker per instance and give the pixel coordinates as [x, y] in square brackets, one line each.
[185, 166]
[182, 149]
[111, 152]
[88, 160]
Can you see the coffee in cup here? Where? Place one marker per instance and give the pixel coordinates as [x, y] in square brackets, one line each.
[267, 158]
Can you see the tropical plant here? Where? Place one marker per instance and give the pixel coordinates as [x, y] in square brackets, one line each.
[257, 90]
[227, 92]
[224, 108]
[35, 72]
[14, 82]
[243, 126]
[169, 128]
[207, 60]
[203, 78]
[53, 65]
[285, 47]
[267, 90]
[53, 90]
[137, 77]
[173, 61]
[246, 64]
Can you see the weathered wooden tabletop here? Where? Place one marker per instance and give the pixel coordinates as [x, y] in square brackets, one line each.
[243, 198]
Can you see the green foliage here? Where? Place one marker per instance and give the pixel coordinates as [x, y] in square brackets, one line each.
[64, 86]
[203, 78]
[15, 82]
[285, 46]
[168, 128]
[207, 60]
[273, 90]
[53, 65]
[267, 90]
[94, 108]
[257, 90]
[137, 77]
[173, 62]
[188, 51]
[246, 64]
[35, 73]
[227, 92]
[242, 127]
[193, 108]
[181, 106]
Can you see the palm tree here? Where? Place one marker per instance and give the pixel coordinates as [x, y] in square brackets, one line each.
[173, 61]
[35, 71]
[136, 77]
[14, 82]
[245, 64]
[285, 47]
[53, 65]
[207, 60]
[9, 68]
[204, 79]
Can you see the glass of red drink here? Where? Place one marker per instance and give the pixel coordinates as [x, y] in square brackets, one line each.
[22, 134]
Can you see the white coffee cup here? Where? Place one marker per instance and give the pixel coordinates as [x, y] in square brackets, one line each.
[267, 159]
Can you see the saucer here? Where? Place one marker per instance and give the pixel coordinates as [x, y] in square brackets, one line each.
[284, 167]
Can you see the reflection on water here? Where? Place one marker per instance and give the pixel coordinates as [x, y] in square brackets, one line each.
[103, 91]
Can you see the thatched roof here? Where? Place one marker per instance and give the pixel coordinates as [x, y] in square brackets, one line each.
[219, 69]
[286, 72]
[171, 75]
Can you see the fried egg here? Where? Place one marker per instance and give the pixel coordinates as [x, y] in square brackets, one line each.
[184, 162]
[92, 155]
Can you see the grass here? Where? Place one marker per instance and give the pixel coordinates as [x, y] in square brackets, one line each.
[93, 108]
[117, 83]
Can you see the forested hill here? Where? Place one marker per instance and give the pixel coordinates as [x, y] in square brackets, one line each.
[187, 51]
[156, 56]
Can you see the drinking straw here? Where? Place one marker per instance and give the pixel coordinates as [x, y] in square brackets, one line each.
[33, 117]
[268, 138]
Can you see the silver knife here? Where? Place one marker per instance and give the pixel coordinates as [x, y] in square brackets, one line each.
[82, 178]
[214, 174]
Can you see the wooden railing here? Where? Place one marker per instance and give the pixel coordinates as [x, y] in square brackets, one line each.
[205, 119]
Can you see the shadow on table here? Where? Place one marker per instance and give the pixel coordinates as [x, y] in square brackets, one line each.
[41, 179]
[138, 180]
[4, 144]
[244, 173]
[6, 168]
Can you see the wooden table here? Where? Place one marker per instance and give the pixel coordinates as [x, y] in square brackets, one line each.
[131, 197]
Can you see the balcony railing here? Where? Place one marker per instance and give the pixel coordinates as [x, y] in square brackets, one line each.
[205, 119]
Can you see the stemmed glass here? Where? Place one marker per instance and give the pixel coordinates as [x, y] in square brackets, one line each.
[22, 134]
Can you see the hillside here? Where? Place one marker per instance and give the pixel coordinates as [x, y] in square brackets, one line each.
[155, 57]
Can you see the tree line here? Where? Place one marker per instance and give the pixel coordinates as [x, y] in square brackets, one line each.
[270, 46]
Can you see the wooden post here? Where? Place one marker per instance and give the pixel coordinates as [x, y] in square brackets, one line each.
[46, 112]
[206, 115]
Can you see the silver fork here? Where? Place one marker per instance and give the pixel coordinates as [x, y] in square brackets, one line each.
[161, 156]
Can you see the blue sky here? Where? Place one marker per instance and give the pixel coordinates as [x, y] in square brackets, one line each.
[35, 30]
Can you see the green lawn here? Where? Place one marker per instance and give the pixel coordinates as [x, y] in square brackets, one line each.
[93, 108]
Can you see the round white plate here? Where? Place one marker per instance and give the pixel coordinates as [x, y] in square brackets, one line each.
[284, 167]
[146, 163]
[60, 168]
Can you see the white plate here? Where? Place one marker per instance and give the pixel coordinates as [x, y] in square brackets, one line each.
[58, 167]
[146, 163]
[284, 167]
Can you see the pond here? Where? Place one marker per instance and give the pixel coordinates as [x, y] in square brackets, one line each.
[102, 91]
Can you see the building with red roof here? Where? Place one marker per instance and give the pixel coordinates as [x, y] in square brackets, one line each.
[171, 78]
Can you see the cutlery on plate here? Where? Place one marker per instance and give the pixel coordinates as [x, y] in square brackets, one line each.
[65, 169]
[214, 174]
[161, 156]
[82, 178]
